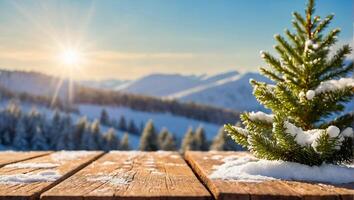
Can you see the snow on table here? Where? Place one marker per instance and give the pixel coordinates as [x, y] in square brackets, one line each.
[230, 181]
[27, 179]
[132, 175]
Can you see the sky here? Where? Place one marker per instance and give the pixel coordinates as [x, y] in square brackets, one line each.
[125, 39]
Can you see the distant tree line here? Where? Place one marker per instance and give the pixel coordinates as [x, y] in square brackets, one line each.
[136, 102]
[152, 104]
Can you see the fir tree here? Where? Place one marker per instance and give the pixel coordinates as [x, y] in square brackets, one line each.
[79, 133]
[122, 124]
[222, 142]
[20, 141]
[200, 141]
[148, 140]
[310, 86]
[124, 144]
[166, 140]
[111, 141]
[188, 141]
[104, 118]
[132, 127]
[162, 136]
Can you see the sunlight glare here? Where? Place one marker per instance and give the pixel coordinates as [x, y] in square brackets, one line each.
[70, 57]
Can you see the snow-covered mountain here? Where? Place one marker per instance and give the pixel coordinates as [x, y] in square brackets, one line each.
[227, 90]
[163, 85]
[234, 93]
[110, 84]
[33, 83]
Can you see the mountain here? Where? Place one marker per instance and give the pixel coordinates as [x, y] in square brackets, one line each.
[234, 93]
[162, 85]
[33, 83]
[110, 84]
[230, 90]
[42, 89]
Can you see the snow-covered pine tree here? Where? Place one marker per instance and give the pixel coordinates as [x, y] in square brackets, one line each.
[148, 140]
[200, 140]
[162, 136]
[310, 89]
[122, 124]
[188, 141]
[124, 144]
[104, 118]
[166, 141]
[96, 140]
[111, 140]
[78, 132]
[20, 141]
[222, 142]
[132, 127]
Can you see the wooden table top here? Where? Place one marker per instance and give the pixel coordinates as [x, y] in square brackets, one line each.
[141, 175]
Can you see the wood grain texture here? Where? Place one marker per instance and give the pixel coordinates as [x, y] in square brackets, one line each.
[8, 157]
[21, 180]
[132, 175]
[203, 162]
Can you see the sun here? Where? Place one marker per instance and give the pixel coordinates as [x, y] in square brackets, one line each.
[70, 57]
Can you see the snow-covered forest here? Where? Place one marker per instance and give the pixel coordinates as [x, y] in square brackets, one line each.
[37, 130]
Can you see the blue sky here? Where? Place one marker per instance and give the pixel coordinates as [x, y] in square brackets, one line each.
[127, 39]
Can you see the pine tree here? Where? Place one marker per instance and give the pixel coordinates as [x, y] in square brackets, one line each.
[79, 131]
[111, 141]
[166, 140]
[222, 142]
[124, 144]
[188, 141]
[104, 118]
[95, 142]
[148, 140]
[20, 141]
[310, 86]
[200, 141]
[122, 124]
[132, 127]
[162, 136]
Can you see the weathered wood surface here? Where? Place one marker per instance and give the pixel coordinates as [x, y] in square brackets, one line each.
[28, 179]
[8, 157]
[132, 175]
[203, 162]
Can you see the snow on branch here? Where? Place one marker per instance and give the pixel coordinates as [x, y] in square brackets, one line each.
[333, 85]
[261, 116]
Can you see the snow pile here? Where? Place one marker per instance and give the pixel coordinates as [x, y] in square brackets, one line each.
[250, 169]
[44, 176]
[116, 181]
[62, 156]
[332, 85]
[310, 94]
[32, 165]
[309, 137]
[303, 138]
[261, 116]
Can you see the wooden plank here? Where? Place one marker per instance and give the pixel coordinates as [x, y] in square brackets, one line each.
[28, 179]
[8, 157]
[132, 175]
[203, 162]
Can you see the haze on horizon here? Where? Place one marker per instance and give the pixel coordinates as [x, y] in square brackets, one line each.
[126, 39]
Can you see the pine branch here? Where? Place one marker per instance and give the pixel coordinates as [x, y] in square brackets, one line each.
[289, 50]
[236, 135]
[271, 75]
[323, 24]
